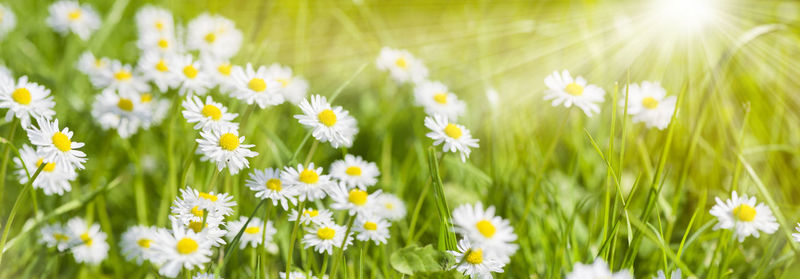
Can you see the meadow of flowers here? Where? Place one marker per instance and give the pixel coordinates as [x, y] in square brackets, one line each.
[394, 139]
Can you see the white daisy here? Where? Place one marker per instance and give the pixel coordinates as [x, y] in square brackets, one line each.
[456, 138]
[53, 179]
[209, 115]
[192, 80]
[159, 69]
[88, 242]
[120, 77]
[312, 216]
[220, 71]
[328, 124]
[744, 216]
[135, 243]
[437, 99]
[94, 67]
[162, 43]
[370, 227]
[255, 86]
[7, 20]
[5, 74]
[122, 111]
[390, 207]
[675, 275]
[56, 146]
[268, 185]
[211, 232]
[473, 262]
[401, 65]
[55, 235]
[189, 207]
[225, 148]
[252, 235]
[307, 183]
[598, 270]
[25, 100]
[213, 35]
[293, 88]
[562, 88]
[355, 172]
[650, 104]
[180, 248]
[151, 19]
[325, 236]
[485, 230]
[156, 108]
[70, 16]
[355, 201]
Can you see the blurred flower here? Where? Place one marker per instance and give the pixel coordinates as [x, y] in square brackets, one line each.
[70, 16]
[192, 80]
[437, 99]
[675, 275]
[94, 67]
[401, 65]
[88, 243]
[355, 201]
[648, 103]
[55, 235]
[355, 172]
[122, 111]
[213, 35]
[562, 88]
[25, 100]
[7, 20]
[255, 86]
[136, 241]
[390, 207]
[293, 88]
[598, 270]
[253, 233]
[225, 148]
[312, 216]
[151, 19]
[220, 72]
[370, 227]
[159, 69]
[120, 77]
[744, 216]
[268, 185]
[327, 123]
[456, 138]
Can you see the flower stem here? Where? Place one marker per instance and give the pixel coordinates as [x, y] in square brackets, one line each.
[292, 239]
[15, 208]
[214, 176]
[6, 151]
[341, 247]
[261, 247]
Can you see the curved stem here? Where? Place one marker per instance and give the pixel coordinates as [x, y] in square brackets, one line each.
[341, 247]
[292, 239]
[15, 208]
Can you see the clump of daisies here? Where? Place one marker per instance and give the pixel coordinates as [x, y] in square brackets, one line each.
[71, 17]
[487, 240]
[744, 216]
[562, 88]
[648, 103]
[401, 65]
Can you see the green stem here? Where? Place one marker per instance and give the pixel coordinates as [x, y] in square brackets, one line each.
[341, 247]
[15, 208]
[324, 265]
[292, 239]
[210, 185]
[12, 130]
[361, 259]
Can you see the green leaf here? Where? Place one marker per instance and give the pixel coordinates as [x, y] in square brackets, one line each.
[415, 259]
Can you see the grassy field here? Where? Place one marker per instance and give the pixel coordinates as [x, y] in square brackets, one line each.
[574, 188]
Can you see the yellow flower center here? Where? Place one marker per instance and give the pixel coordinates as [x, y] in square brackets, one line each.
[401, 62]
[257, 84]
[49, 167]
[440, 98]
[451, 130]
[60, 237]
[212, 111]
[74, 14]
[308, 176]
[485, 228]
[125, 104]
[370, 226]
[197, 212]
[357, 197]
[163, 43]
[225, 69]
[159, 25]
[229, 141]
[210, 38]
[284, 82]
[21, 96]
[574, 89]
[190, 71]
[274, 184]
[252, 230]
[146, 97]
[389, 205]
[650, 103]
[475, 256]
[144, 243]
[62, 142]
[327, 117]
[353, 171]
[744, 213]
[86, 239]
[326, 233]
[311, 213]
[186, 246]
[208, 196]
[196, 226]
[161, 66]
[122, 75]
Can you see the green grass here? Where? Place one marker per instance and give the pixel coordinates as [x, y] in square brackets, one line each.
[574, 188]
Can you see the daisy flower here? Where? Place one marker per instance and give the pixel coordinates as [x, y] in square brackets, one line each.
[55, 235]
[70, 16]
[151, 19]
[328, 124]
[122, 111]
[211, 232]
[268, 185]
[25, 100]
[255, 86]
[401, 65]
[598, 270]
[355, 201]
[213, 35]
[675, 275]
[120, 77]
[473, 262]
[136, 243]
[191, 79]
[482, 228]
[209, 115]
[56, 146]
[293, 88]
[156, 109]
[54, 178]
[162, 43]
[744, 216]
[437, 99]
[649, 103]
[219, 71]
[323, 237]
[312, 216]
[370, 227]
[189, 207]
[94, 67]
[225, 148]
[5, 74]
[89, 242]
[456, 138]
[355, 172]
[308, 183]
[7, 20]
[562, 88]
[253, 233]
[390, 207]
[159, 69]
[180, 248]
